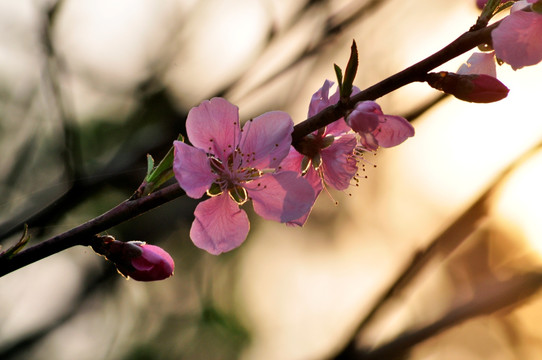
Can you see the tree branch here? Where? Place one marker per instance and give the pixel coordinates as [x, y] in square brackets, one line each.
[411, 74]
[84, 234]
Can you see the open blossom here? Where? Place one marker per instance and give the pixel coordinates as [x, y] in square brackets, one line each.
[232, 166]
[517, 39]
[325, 156]
[377, 129]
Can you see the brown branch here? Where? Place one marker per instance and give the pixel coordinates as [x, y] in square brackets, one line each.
[441, 246]
[414, 73]
[83, 234]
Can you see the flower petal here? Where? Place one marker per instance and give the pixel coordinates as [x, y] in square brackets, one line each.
[338, 166]
[266, 139]
[292, 162]
[153, 264]
[213, 126]
[283, 196]
[365, 117]
[376, 129]
[320, 99]
[219, 226]
[479, 63]
[192, 170]
[393, 130]
[517, 39]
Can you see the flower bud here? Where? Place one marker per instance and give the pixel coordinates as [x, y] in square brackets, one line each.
[136, 259]
[477, 88]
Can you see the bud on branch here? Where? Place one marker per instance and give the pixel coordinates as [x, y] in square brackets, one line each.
[136, 259]
[477, 88]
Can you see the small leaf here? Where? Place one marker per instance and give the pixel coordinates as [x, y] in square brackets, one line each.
[350, 73]
[339, 74]
[161, 173]
[150, 165]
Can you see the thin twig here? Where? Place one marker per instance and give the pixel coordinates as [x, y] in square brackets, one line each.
[505, 293]
[442, 245]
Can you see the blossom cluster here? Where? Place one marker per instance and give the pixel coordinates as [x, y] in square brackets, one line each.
[257, 162]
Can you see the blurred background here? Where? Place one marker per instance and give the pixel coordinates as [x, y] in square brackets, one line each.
[89, 87]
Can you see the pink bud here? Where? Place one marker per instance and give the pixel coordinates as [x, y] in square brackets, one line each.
[477, 88]
[136, 259]
[153, 264]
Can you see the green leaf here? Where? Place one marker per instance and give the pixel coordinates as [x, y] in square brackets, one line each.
[150, 165]
[161, 173]
[339, 74]
[350, 73]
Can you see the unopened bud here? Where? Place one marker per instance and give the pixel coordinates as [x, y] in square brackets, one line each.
[477, 88]
[136, 259]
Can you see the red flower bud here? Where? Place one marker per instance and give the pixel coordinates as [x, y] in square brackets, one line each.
[136, 259]
[478, 88]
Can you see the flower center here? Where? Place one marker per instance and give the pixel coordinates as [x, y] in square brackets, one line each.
[232, 176]
[311, 146]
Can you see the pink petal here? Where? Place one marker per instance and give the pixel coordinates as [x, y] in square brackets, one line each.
[213, 126]
[517, 39]
[292, 162]
[283, 196]
[480, 63]
[320, 99]
[376, 129]
[337, 128]
[267, 138]
[338, 166]
[192, 170]
[153, 264]
[153, 256]
[365, 117]
[220, 225]
[393, 130]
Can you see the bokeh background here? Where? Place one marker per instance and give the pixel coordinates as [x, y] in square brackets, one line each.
[89, 87]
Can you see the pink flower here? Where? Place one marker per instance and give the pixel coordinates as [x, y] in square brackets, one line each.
[136, 259]
[517, 39]
[325, 156]
[232, 166]
[479, 63]
[376, 129]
